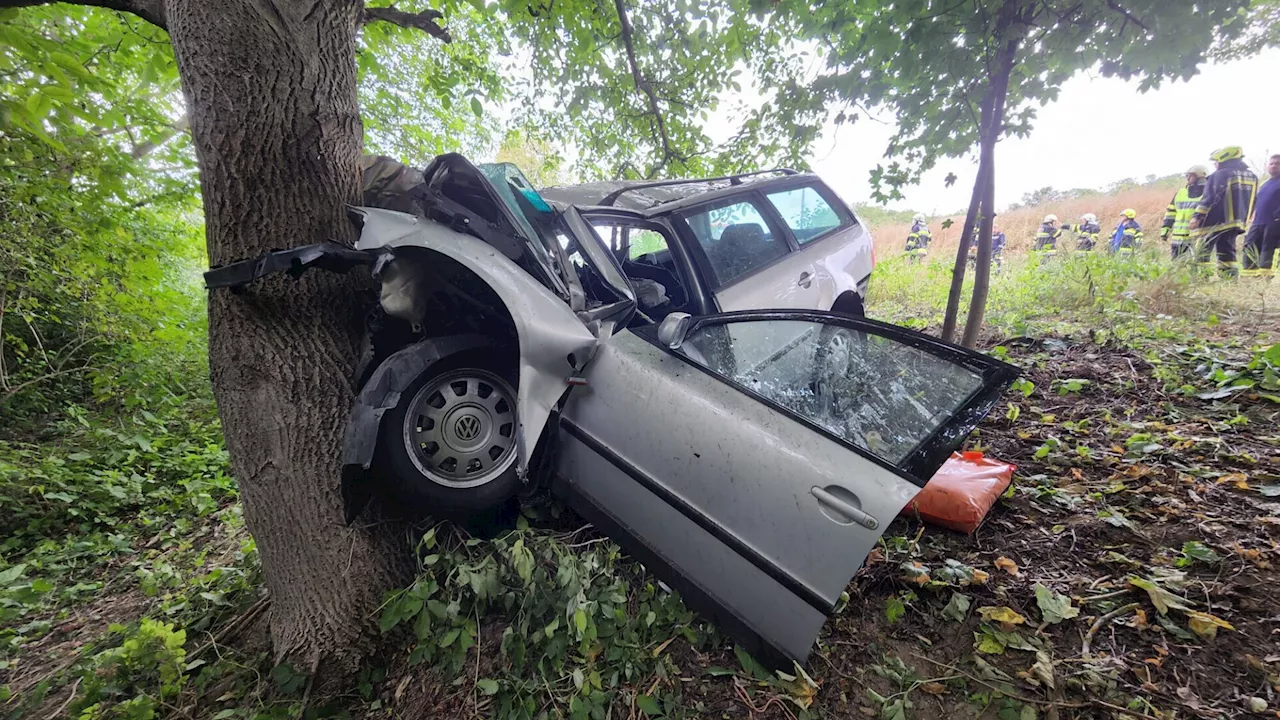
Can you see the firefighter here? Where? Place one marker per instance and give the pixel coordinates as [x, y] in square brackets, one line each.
[919, 238]
[1128, 234]
[1224, 207]
[1047, 237]
[998, 241]
[1177, 217]
[1260, 242]
[1087, 232]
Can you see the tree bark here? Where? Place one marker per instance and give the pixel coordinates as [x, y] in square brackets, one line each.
[271, 93]
[990, 135]
[970, 219]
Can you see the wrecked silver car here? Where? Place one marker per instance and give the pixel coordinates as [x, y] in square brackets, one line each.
[750, 459]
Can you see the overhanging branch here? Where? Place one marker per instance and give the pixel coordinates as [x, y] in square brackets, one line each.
[659, 123]
[1128, 16]
[150, 10]
[424, 21]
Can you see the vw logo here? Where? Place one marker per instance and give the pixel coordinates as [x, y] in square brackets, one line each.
[467, 427]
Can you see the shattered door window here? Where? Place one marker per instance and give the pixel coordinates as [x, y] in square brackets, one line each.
[874, 392]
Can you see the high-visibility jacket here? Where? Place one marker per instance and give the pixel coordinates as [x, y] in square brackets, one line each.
[919, 237]
[1047, 237]
[1086, 234]
[1177, 217]
[1228, 198]
[1127, 237]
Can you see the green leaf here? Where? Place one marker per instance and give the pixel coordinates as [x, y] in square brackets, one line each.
[476, 107]
[1161, 598]
[648, 706]
[449, 637]
[8, 575]
[1196, 550]
[751, 665]
[580, 620]
[957, 608]
[894, 609]
[487, 686]
[1054, 607]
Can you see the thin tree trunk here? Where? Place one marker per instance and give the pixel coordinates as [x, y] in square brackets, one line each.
[271, 93]
[970, 219]
[990, 135]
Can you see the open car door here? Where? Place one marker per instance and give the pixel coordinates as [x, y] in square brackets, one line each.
[753, 459]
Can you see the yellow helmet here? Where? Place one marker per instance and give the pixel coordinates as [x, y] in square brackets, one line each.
[1129, 213]
[1230, 152]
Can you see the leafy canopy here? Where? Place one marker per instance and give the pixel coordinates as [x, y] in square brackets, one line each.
[929, 62]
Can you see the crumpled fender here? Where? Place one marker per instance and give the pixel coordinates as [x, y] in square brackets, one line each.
[554, 342]
[381, 393]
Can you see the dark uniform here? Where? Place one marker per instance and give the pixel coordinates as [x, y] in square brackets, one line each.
[1263, 238]
[1127, 237]
[918, 240]
[1223, 210]
[1047, 239]
[1086, 235]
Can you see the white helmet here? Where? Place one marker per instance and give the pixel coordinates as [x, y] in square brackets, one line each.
[919, 217]
[1051, 218]
[1089, 218]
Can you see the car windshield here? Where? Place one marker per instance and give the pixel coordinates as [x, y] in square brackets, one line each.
[879, 394]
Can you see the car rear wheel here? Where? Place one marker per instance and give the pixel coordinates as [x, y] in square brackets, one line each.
[449, 446]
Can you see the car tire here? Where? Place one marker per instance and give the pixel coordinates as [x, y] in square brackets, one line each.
[448, 448]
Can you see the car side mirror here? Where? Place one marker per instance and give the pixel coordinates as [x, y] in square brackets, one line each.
[673, 328]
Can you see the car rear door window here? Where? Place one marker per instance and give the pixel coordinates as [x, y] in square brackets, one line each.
[806, 212]
[883, 396]
[735, 238]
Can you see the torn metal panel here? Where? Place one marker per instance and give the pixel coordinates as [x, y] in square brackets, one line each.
[324, 256]
[554, 343]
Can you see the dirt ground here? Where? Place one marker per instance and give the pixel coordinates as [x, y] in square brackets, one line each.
[1145, 509]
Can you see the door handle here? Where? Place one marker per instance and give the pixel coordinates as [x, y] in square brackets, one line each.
[806, 279]
[841, 506]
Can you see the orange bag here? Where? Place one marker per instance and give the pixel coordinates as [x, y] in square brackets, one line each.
[961, 493]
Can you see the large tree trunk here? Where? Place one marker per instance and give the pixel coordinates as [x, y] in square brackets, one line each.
[271, 93]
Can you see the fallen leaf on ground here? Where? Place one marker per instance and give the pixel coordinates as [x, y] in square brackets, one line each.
[1206, 625]
[957, 608]
[1054, 607]
[1008, 566]
[1238, 480]
[1161, 598]
[934, 688]
[1006, 616]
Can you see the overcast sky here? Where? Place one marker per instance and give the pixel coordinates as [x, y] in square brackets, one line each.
[1099, 131]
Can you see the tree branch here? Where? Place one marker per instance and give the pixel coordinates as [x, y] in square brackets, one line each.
[142, 150]
[643, 86]
[1127, 15]
[150, 10]
[424, 21]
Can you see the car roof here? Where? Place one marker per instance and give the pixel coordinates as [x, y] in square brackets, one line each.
[653, 197]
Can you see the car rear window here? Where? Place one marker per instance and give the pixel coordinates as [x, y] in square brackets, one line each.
[735, 238]
[806, 212]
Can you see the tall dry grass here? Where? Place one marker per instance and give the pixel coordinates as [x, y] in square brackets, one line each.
[1020, 225]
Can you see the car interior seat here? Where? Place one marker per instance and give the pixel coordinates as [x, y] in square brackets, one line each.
[741, 247]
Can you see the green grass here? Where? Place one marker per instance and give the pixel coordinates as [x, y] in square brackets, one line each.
[1110, 293]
